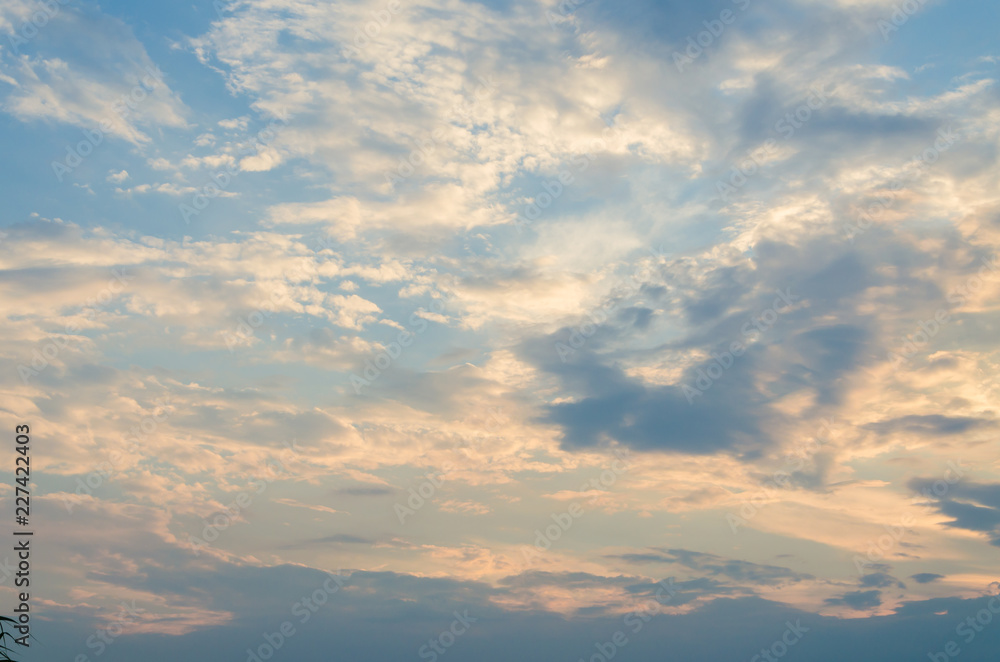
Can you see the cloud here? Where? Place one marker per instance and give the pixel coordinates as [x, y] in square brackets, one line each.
[364, 491]
[646, 307]
[335, 539]
[934, 424]
[113, 88]
[972, 506]
[926, 577]
[741, 571]
[858, 600]
[880, 580]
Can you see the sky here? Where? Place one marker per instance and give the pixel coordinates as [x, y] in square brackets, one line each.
[506, 330]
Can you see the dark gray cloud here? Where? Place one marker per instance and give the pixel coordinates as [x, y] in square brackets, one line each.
[880, 580]
[741, 571]
[661, 418]
[335, 539]
[857, 599]
[972, 506]
[364, 491]
[931, 425]
[926, 577]
[389, 616]
[780, 310]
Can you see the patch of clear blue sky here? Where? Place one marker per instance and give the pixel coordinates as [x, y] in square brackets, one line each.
[947, 35]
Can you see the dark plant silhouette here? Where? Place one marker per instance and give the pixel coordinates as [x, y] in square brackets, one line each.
[4, 648]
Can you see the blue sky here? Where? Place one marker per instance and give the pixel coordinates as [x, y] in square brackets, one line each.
[511, 313]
